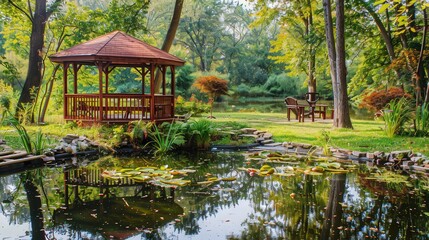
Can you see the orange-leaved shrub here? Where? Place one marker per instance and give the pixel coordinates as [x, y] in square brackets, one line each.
[212, 86]
[378, 99]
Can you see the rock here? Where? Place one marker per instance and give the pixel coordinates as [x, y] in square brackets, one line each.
[341, 155]
[370, 155]
[267, 136]
[407, 163]
[69, 138]
[358, 154]
[249, 135]
[267, 141]
[306, 146]
[273, 144]
[68, 149]
[248, 130]
[400, 155]
[259, 132]
[418, 160]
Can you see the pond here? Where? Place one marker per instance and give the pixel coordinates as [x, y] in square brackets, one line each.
[37, 203]
[270, 105]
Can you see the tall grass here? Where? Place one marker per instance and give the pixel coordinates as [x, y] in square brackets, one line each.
[396, 115]
[22, 132]
[165, 142]
[421, 124]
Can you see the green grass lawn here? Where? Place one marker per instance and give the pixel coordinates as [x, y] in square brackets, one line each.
[367, 135]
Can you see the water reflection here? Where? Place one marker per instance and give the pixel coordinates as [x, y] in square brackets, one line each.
[331, 206]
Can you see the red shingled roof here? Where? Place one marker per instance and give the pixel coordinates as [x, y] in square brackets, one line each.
[118, 48]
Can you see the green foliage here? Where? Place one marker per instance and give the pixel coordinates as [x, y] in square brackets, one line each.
[396, 114]
[39, 143]
[325, 142]
[421, 127]
[9, 72]
[194, 106]
[165, 140]
[184, 80]
[282, 85]
[7, 98]
[201, 130]
[139, 132]
[22, 132]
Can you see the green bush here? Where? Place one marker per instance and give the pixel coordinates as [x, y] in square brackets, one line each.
[194, 106]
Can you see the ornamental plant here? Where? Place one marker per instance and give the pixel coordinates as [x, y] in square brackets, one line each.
[378, 99]
[213, 87]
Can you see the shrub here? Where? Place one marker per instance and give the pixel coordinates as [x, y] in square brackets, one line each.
[396, 115]
[194, 106]
[378, 99]
[201, 131]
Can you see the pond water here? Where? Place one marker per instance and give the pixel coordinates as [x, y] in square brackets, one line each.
[277, 106]
[300, 206]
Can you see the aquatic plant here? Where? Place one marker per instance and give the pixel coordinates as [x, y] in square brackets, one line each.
[396, 115]
[164, 142]
[39, 142]
[325, 141]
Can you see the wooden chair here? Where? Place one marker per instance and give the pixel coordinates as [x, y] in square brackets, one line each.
[292, 105]
[312, 98]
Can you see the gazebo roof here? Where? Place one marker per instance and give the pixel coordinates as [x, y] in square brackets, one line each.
[119, 49]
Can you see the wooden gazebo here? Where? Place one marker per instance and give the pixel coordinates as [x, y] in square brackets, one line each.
[107, 52]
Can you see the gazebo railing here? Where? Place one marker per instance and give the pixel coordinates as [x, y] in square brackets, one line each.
[117, 107]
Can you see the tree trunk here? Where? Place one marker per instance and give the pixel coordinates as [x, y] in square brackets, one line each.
[35, 61]
[47, 96]
[334, 211]
[311, 83]
[36, 213]
[330, 41]
[420, 70]
[343, 114]
[169, 38]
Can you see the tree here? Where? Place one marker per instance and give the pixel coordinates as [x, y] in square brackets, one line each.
[299, 39]
[169, 38]
[337, 62]
[38, 19]
[201, 32]
[213, 87]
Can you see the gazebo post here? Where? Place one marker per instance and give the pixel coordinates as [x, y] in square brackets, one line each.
[152, 92]
[75, 70]
[163, 79]
[65, 69]
[100, 90]
[173, 89]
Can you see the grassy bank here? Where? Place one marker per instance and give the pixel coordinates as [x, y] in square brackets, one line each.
[367, 135]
